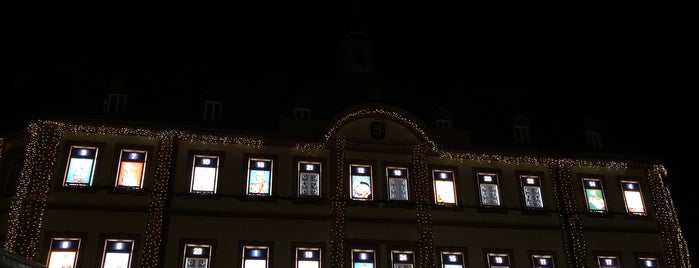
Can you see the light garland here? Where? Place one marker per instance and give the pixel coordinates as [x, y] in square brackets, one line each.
[423, 211]
[310, 147]
[338, 207]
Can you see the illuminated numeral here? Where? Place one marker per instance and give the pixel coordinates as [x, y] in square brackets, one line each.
[260, 164]
[308, 254]
[65, 244]
[498, 259]
[206, 161]
[443, 175]
[543, 262]
[530, 181]
[363, 256]
[402, 257]
[592, 183]
[83, 152]
[397, 172]
[452, 258]
[133, 155]
[608, 261]
[360, 170]
[198, 251]
[487, 178]
[309, 167]
[119, 246]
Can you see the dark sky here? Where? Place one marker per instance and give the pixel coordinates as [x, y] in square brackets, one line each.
[632, 63]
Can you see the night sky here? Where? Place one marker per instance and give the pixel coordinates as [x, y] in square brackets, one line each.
[626, 63]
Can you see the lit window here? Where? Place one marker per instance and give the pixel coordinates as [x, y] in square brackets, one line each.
[648, 262]
[213, 110]
[115, 103]
[63, 252]
[81, 166]
[488, 189]
[132, 165]
[117, 253]
[197, 256]
[309, 179]
[633, 198]
[204, 174]
[307, 257]
[594, 195]
[521, 134]
[363, 258]
[361, 183]
[543, 261]
[259, 177]
[452, 259]
[444, 187]
[531, 191]
[402, 259]
[608, 262]
[498, 260]
[397, 183]
[255, 257]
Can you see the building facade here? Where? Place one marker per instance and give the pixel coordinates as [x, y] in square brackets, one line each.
[376, 188]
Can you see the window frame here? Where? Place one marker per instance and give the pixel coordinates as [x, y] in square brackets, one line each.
[184, 243]
[521, 176]
[490, 252]
[586, 187]
[624, 183]
[249, 176]
[353, 184]
[445, 252]
[256, 245]
[69, 163]
[452, 179]
[120, 168]
[63, 237]
[194, 168]
[299, 171]
[405, 177]
[478, 172]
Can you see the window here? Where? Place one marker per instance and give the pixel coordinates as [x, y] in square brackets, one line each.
[255, 256]
[531, 191]
[359, 56]
[647, 262]
[361, 183]
[132, 165]
[117, 253]
[402, 259]
[213, 110]
[488, 189]
[633, 198]
[594, 195]
[302, 112]
[397, 181]
[197, 256]
[307, 257]
[115, 103]
[80, 167]
[63, 252]
[259, 177]
[608, 261]
[443, 123]
[594, 140]
[542, 261]
[444, 188]
[204, 174]
[521, 134]
[452, 259]
[498, 260]
[363, 258]
[309, 178]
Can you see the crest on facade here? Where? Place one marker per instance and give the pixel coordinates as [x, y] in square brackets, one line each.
[377, 130]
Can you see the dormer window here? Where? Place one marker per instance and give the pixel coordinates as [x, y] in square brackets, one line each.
[521, 134]
[302, 112]
[443, 123]
[594, 140]
[213, 110]
[115, 103]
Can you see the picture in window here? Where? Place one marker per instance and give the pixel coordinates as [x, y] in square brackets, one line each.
[402, 259]
[255, 256]
[81, 165]
[259, 177]
[363, 258]
[117, 253]
[361, 183]
[531, 191]
[594, 195]
[63, 252]
[488, 189]
[131, 169]
[204, 174]
[444, 190]
[397, 183]
[197, 256]
[452, 259]
[307, 257]
[633, 198]
[309, 179]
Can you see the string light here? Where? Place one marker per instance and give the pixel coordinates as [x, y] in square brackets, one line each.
[338, 206]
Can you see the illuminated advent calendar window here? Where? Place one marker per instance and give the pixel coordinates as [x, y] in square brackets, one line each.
[307, 257]
[608, 262]
[452, 259]
[197, 256]
[498, 260]
[361, 183]
[204, 174]
[81, 166]
[543, 261]
[633, 198]
[648, 262]
[397, 181]
[531, 191]
[488, 189]
[132, 165]
[309, 179]
[255, 257]
[594, 195]
[444, 187]
[63, 252]
[117, 253]
[363, 258]
[402, 259]
[259, 181]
